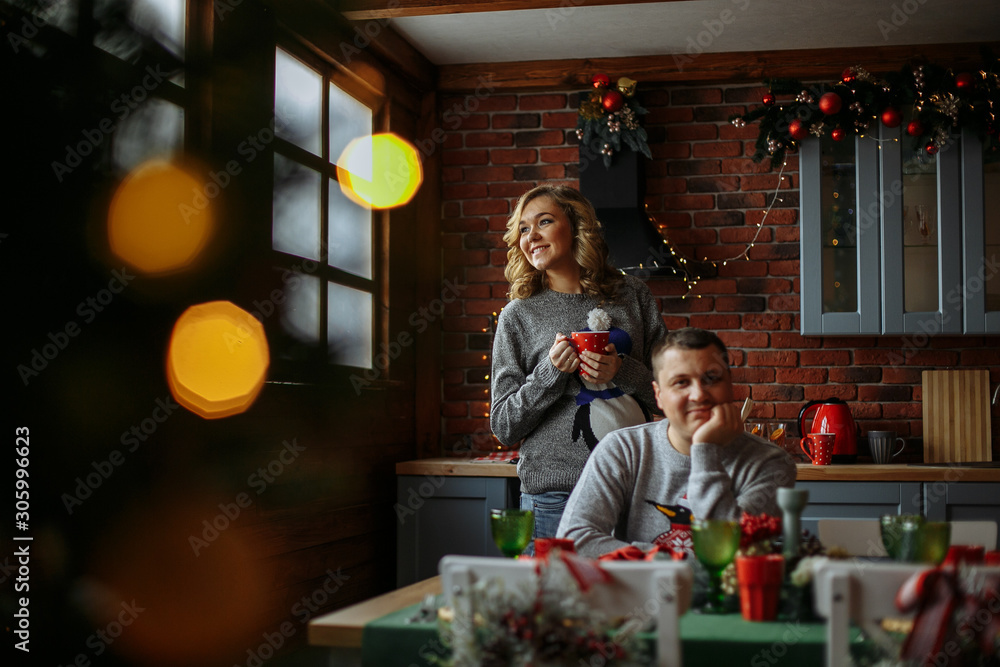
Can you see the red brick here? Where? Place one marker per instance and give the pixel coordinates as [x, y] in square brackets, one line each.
[784, 303]
[825, 357]
[903, 410]
[465, 157]
[452, 376]
[896, 375]
[745, 234]
[850, 342]
[452, 174]
[454, 409]
[862, 411]
[484, 207]
[776, 216]
[508, 190]
[561, 120]
[541, 102]
[937, 358]
[718, 218]
[743, 339]
[740, 304]
[690, 96]
[876, 357]
[730, 131]
[715, 322]
[560, 155]
[539, 173]
[478, 174]
[675, 322]
[513, 156]
[505, 121]
[689, 202]
[989, 355]
[786, 234]
[704, 132]
[464, 191]
[464, 258]
[451, 209]
[819, 392]
[884, 393]
[488, 139]
[476, 121]
[742, 166]
[745, 94]
[463, 225]
[856, 374]
[783, 268]
[484, 274]
[692, 167]
[477, 292]
[671, 151]
[714, 184]
[483, 306]
[760, 182]
[768, 321]
[742, 267]
[539, 138]
[801, 375]
[775, 392]
[753, 375]
[472, 103]
[466, 324]
[773, 358]
[717, 286]
[696, 305]
[483, 241]
[717, 149]
[740, 200]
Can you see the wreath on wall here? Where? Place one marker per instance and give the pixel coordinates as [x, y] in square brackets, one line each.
[942, 102]
[609, 117]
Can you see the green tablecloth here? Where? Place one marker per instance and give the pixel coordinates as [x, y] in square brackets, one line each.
[708, 640]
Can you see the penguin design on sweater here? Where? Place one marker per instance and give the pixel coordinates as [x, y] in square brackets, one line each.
[602, 408]
[678, 535]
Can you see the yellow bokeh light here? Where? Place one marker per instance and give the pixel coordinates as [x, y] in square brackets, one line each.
[380, 171]
[217, 359]
[160, 218]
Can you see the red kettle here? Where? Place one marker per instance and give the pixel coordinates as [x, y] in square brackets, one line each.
[833, 416]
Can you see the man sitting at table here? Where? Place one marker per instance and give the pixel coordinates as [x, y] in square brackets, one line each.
[643, 484]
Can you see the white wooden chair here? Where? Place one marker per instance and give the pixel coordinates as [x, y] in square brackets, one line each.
[862, 592]
[659, 590]
[863, 537]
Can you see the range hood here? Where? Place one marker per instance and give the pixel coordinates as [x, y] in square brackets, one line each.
[618, 195]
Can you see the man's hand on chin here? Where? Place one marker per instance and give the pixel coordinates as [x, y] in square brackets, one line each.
[721, 427]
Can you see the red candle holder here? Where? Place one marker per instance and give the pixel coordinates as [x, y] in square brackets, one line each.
[760, 580]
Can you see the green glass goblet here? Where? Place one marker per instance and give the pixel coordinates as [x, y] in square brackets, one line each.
[935, 538]
[901, 536]
[715, 545]
[512, 530]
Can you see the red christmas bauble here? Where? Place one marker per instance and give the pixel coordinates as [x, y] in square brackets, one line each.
[931, 149]
[612, 101]
[838, 134]
[848, 75]
[963, 80]
[768, 99]
[891, 117]
[830, 103]
[601, 81]
[915, 128]
[797, 129]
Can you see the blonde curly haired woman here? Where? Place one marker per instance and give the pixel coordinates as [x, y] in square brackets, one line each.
[556, 402]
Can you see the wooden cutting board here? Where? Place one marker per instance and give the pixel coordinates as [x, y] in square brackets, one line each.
[956, 416]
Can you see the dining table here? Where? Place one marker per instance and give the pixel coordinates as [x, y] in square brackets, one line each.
[400, 629]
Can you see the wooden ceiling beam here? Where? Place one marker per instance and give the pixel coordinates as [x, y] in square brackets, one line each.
[362, 10]
[753, 66]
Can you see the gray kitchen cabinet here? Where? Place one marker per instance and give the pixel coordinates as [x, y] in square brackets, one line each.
[962, 501]
[896, 241]
[858, 500]
[438, 515]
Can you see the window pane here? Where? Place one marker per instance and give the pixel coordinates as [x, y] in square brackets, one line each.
[350, 242]
[838, 225]
[349, 326]
[991, 233]
[300, 310]
[349, 119]
[298, 102]
[296, 227]
[153, 130]
[123, 26]
[920, 230]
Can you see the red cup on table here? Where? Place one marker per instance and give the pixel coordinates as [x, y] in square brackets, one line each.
[590, 341]
[992, 557]
[967, 554]
[819, 448]
[760, 580]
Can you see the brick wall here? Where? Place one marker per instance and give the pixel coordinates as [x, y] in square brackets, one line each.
[708, 198]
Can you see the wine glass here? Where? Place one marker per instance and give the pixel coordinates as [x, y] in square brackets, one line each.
[715, 545]
[512, 530]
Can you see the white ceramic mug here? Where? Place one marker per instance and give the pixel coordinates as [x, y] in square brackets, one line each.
[881, 443]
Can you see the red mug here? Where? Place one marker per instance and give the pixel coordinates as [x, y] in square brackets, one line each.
[590, 341]
[760, 580]
[820, 450]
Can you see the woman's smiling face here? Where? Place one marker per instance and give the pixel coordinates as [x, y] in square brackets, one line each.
[547, 235]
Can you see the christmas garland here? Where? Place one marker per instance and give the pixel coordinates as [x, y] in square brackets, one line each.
[942, 101]
[609, 116]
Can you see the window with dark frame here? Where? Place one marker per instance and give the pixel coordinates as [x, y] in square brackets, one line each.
[323, 240]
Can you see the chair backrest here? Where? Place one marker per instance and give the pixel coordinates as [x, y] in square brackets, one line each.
[860, 537]
[863, 537]
[862, 592]
[979, 533]
[639, 590]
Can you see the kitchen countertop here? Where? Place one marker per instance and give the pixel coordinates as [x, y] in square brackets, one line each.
[859, 472]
